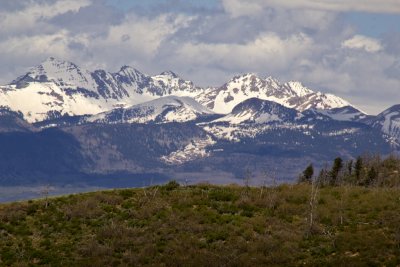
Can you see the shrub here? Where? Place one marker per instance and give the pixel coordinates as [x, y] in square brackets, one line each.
[171, 185]
[218, 228]
[85, 209]
[126, 193]
[222, 194]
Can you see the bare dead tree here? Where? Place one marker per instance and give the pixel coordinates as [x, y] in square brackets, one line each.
[313, 204]
[263, 187]
[270, 180]
[45, 193]
[247, 177]
[272, 177]
[343, 194]
[150, 193]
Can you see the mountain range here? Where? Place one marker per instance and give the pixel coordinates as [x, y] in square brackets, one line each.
[56, 88]
[60, 123]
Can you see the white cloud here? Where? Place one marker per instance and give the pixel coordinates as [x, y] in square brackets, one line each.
[143, 36]
[268, 50]
[363, 42]
[244, 7]
[357, 77]
[33, 14]
[237, 8]
[51, 44]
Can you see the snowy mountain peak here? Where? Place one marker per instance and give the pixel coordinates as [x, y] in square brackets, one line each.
[129, 75]
[52, 64]
[128, 69]
[299, 88]
[291, 94]
[57, 87]
[244, 78]
[53, 60]
[169, 73]
[270, 78]
[60, 73]
[272, 82]
[171, 84]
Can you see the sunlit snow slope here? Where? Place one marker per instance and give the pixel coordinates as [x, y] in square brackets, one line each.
[164, 109]
[56, 88]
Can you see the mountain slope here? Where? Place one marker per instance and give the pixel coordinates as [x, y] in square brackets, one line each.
[58, 88]
[164, 109]
[291, 94]
[388, 122]
[347, 113]
[259, 111]
[255, 123]
[37, 157]
[11, 121]
[262, 135]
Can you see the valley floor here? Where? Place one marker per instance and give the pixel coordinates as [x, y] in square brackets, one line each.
[205, 225]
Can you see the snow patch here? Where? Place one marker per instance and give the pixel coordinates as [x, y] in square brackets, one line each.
[195, 150]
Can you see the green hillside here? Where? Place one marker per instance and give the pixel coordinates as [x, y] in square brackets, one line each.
[205, 225]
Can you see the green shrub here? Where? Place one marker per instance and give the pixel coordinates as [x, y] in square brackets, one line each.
[214, 236]
[126, 193]
[205, 226]
[171, 185]
[222, 194]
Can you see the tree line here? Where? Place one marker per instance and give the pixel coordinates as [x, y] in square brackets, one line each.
[365, 170]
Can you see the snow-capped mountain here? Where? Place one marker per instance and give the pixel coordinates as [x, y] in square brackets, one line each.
[258, 111]
[164, 109]
[387, 121]
[255, 110]
[290, 94]
[172, 84]
[56, 88]
[266, 123]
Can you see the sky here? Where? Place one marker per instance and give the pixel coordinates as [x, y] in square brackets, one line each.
[350, 48]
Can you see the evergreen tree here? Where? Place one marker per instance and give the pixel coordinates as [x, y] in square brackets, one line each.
[348, 172]
[322, 177]
[334, 173]
[350, 167]
[371, 176]
[358, 168]
[307, 174]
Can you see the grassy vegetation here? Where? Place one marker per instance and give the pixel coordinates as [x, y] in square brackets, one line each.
[205, 225]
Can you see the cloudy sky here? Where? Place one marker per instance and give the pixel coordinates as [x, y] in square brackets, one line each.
[347, 47]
